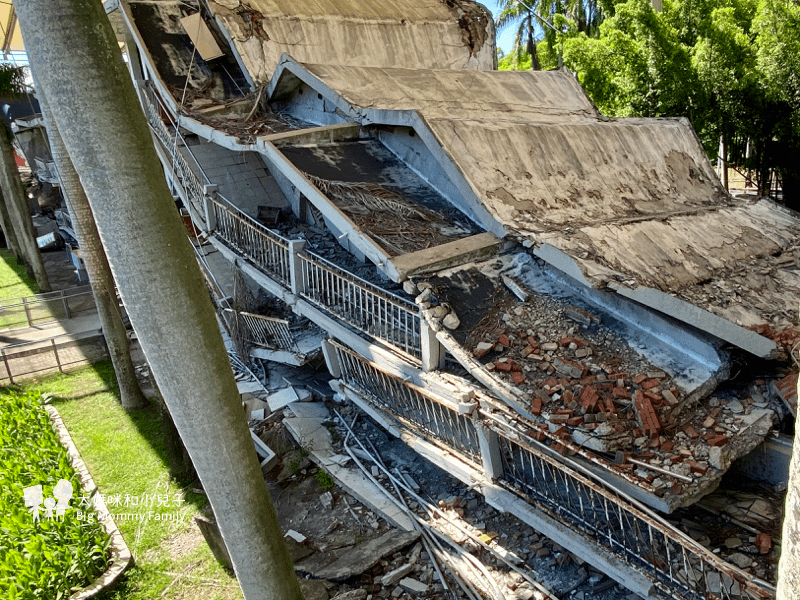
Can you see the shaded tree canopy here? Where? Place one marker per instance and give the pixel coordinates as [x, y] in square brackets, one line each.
[732, 67]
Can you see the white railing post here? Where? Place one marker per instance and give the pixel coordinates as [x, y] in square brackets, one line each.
[431, 351]
[296, 278]
[209, 192]
[331, 359]
[490, 451]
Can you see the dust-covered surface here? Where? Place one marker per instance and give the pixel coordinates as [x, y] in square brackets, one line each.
[644, 414]
[178, 65]
[407, 33]
[335, 524]
[381, 195]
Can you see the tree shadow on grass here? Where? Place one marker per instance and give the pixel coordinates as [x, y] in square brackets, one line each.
[151, 422]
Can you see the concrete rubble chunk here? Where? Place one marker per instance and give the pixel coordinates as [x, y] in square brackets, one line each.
[412, 586]
[396, 575]
[296, 536]
[365, 556]
[285, 397]
[358, 594]
[451, 321]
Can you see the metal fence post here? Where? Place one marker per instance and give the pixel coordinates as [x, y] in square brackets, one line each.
[8, 368]
[55, 353]
[27, 312]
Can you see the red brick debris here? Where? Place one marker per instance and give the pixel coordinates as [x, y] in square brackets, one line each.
[646, 414]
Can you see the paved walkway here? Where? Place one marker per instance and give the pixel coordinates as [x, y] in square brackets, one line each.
[62, 276]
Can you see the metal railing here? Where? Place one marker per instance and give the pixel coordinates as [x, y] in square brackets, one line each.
[679, 566]
[192, 184]
[361, 304]
[45, 308]
[60, 353]
[266, 249]
[266, 332]
[438, 419]
[366, 307]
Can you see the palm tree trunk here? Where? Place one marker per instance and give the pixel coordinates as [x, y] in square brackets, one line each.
[19, 215]
[8, 229]
[72, 48]
[97, 267]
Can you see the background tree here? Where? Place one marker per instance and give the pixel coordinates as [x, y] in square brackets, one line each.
[19, 221]
[74, 53]
[97, 267]
[730, 66]
[523, 15]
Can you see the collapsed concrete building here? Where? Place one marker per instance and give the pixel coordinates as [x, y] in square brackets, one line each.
[565, 311]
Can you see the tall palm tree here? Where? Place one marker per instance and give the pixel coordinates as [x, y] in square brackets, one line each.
[72, 49]
[97, 267]
[523, 15]
[18, 226]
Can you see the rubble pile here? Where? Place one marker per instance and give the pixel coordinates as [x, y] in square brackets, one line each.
[588, 387]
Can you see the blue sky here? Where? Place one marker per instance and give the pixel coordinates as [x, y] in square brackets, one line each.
[506, 38]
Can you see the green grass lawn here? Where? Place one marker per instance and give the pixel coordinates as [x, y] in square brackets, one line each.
[14, 280]
[125, 454]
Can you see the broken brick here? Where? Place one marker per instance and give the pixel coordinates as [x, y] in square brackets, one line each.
[503, 339]
[575, 421]
[589, 398]
[639, 378]
[565, 341]
[691, 432]
[669, 397]
[654, 397]
[620, 392]
[515, 366]
[718, 440]
[696, 467]
[503, 366]
[567, 396]
[646, 414]
[527, 350]
[536, 405]
[551, 383]
[482, 349]
[764, 543]
[667, 445]
[569, 368]
[650, 384]
[558, 418]
[518, 377]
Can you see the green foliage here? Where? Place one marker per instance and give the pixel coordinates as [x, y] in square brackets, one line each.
[324, 479]
[12, 81]
[53, 556]
[125, 453]
[731, 66]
